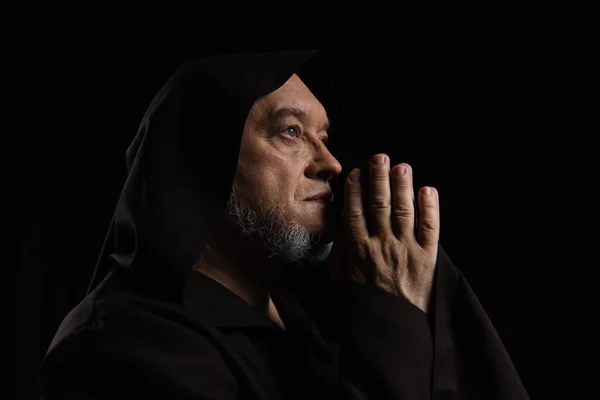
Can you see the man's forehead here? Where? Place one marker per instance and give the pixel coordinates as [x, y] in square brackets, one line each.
[296, 109]
[292, 99]
[297, 106]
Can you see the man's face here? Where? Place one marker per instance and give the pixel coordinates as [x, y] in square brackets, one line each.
[284, 159]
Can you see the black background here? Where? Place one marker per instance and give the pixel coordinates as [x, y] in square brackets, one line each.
[485, 113]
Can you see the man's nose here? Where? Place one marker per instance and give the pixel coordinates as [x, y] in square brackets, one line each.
[324, 165]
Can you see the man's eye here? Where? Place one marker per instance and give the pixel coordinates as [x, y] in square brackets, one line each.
[292, 131]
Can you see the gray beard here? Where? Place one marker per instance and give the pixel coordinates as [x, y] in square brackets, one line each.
[270, 229]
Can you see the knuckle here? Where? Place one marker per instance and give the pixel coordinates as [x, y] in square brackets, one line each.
[403, 211]
[428, 223]
[354, 215]
[402, 184]
[402, 188]
[354, 191]
[380, 178]
[429, 207]
[379, 203]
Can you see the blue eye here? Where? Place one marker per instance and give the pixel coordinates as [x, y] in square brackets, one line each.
[292, 130]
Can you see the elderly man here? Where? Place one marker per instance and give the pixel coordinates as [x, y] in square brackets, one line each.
[224, 274]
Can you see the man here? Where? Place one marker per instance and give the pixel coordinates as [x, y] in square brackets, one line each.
[217, 277]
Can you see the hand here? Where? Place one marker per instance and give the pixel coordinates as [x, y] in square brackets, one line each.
[384, 249]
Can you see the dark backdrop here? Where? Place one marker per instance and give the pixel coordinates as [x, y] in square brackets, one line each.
[474, 114]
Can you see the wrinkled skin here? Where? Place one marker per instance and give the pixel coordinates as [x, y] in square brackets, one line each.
[284, 160]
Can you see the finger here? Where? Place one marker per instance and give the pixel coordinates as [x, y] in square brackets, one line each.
[403, 220]
[429, 226]
[380, 201]
[414, 203]
[356, 225]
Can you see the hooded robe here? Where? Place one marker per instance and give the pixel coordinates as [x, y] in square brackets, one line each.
[153, 327]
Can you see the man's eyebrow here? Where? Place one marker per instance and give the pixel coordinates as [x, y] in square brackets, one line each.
[299, 113]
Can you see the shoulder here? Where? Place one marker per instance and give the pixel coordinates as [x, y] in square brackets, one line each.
[115, 338]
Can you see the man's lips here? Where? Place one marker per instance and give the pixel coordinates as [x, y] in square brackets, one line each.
[325, 196]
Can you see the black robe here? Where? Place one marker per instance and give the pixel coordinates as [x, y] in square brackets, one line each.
[151, 327]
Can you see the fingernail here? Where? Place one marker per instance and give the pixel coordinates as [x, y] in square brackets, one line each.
[399, 171]
[355, 175]
[379, 160]
[427, 190]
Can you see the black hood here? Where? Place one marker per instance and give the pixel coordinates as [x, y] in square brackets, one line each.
[182, 161]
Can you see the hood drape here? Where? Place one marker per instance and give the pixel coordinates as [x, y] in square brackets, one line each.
[182, 161]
